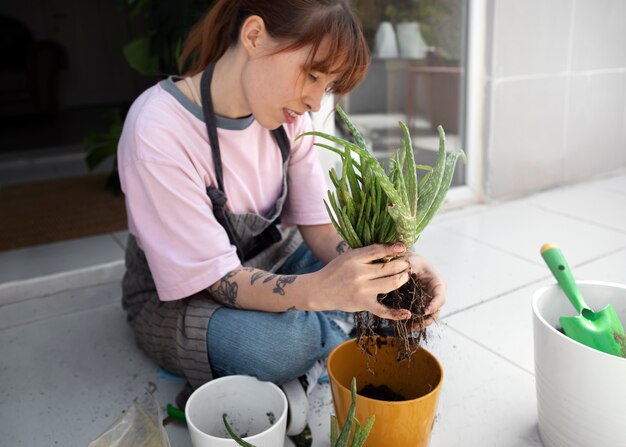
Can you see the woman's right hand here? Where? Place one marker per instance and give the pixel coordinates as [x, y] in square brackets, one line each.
[352, 281]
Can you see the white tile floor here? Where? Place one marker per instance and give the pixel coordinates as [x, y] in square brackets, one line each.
[69, 367]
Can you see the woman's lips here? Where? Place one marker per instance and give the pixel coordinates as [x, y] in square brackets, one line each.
[290, 116]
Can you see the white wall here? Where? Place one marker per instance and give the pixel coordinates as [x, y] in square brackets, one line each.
[555, 93]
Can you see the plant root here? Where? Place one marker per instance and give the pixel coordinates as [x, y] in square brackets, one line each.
[412, 333]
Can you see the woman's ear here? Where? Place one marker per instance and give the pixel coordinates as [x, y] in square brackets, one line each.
[253, 34]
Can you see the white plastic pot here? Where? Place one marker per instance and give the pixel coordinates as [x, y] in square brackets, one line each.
[253, 408]
[410, 41]
[581, 392]
[386, 44]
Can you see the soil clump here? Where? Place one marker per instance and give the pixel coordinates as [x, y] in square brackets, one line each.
[412, 333]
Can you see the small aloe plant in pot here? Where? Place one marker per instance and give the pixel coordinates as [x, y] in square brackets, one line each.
[338, 437]
[370, 205]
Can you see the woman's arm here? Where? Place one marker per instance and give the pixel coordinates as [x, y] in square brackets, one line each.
[350, 282]
[323, 241]
[326, 244]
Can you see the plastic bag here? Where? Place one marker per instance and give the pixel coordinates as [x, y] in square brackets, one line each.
[139, 426]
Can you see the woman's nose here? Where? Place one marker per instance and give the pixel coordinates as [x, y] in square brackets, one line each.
[313, 97]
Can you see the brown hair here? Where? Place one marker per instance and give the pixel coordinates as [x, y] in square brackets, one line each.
[296, 22]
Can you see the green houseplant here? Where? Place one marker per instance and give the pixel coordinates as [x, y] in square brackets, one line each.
[371, 206]
[339, 437]
[160, 29]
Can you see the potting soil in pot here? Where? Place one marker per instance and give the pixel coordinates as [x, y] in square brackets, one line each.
[381, 392]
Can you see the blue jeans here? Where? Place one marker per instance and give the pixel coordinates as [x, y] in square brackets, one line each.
[276, 347]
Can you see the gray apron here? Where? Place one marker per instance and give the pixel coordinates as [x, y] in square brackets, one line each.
[174, 333]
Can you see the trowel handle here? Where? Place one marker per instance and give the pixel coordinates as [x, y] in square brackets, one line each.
[561, 271]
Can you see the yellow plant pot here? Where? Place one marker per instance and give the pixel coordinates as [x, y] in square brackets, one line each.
[407, 423]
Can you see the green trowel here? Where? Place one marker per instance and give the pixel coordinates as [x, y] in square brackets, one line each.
[598, 330]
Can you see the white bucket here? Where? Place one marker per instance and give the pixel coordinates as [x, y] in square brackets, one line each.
[253, 408]
[581, 392]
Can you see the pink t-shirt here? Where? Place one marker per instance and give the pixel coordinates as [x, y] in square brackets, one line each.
[165, 166]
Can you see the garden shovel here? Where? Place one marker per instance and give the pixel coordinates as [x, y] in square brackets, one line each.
[598, 330]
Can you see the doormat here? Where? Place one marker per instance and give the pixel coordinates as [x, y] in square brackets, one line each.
[58, 210]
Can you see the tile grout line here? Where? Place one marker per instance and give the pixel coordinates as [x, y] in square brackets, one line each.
[536, 263]
[64, 291]
[495, 297]
[486, 348]
[537, 281]
[487, 244]
[65, 314]
[578, 218]
[13, 288]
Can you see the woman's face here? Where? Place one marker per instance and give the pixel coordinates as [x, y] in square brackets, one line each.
[278, 88]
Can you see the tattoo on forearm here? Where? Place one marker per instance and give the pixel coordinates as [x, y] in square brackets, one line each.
[258, 275]
[226, 290]
[255, 276]
[281, 281]
[342, 247]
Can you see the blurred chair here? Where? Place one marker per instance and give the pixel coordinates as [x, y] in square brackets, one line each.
[29, 70]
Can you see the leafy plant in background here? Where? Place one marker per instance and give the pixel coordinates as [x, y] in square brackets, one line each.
[166, 25]
[154, 53]
[101, 146]
[370, 206]
[441, 21]
[338, 437]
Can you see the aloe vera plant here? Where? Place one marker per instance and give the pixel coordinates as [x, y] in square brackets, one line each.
[370, 205]
[338, 438]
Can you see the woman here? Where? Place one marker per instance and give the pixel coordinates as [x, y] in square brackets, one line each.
[233, 266]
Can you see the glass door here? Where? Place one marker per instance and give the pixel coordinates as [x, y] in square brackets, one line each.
[417, 75]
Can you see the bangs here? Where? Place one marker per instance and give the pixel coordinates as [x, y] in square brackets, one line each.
[338, 48]
[346, 57]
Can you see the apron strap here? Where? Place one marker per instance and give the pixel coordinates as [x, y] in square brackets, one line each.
[271, 234]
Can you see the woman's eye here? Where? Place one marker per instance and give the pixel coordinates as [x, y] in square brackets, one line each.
[312, 77]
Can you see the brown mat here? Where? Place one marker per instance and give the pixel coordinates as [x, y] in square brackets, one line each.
[57, 210]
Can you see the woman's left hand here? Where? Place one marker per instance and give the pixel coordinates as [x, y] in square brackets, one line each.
[435, 286]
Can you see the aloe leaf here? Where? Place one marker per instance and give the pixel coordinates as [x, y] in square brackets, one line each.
[334, 429]
[348, 209]
[431, 187]
[410, 176]
[420, 186]
[391, 233]
[354, 183]
[357, 432]
[395, 175]
[367, 235]
[330, 148]
[333, 177]
[234, 435]
[334, 221]
[384, 181]
[347, 426]
[406, 225]
[364, 432]
[424, 168]
[347, 225]
[365, 216]
[375, 166]
[445, 186]
[337, 213]
[353, 130]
